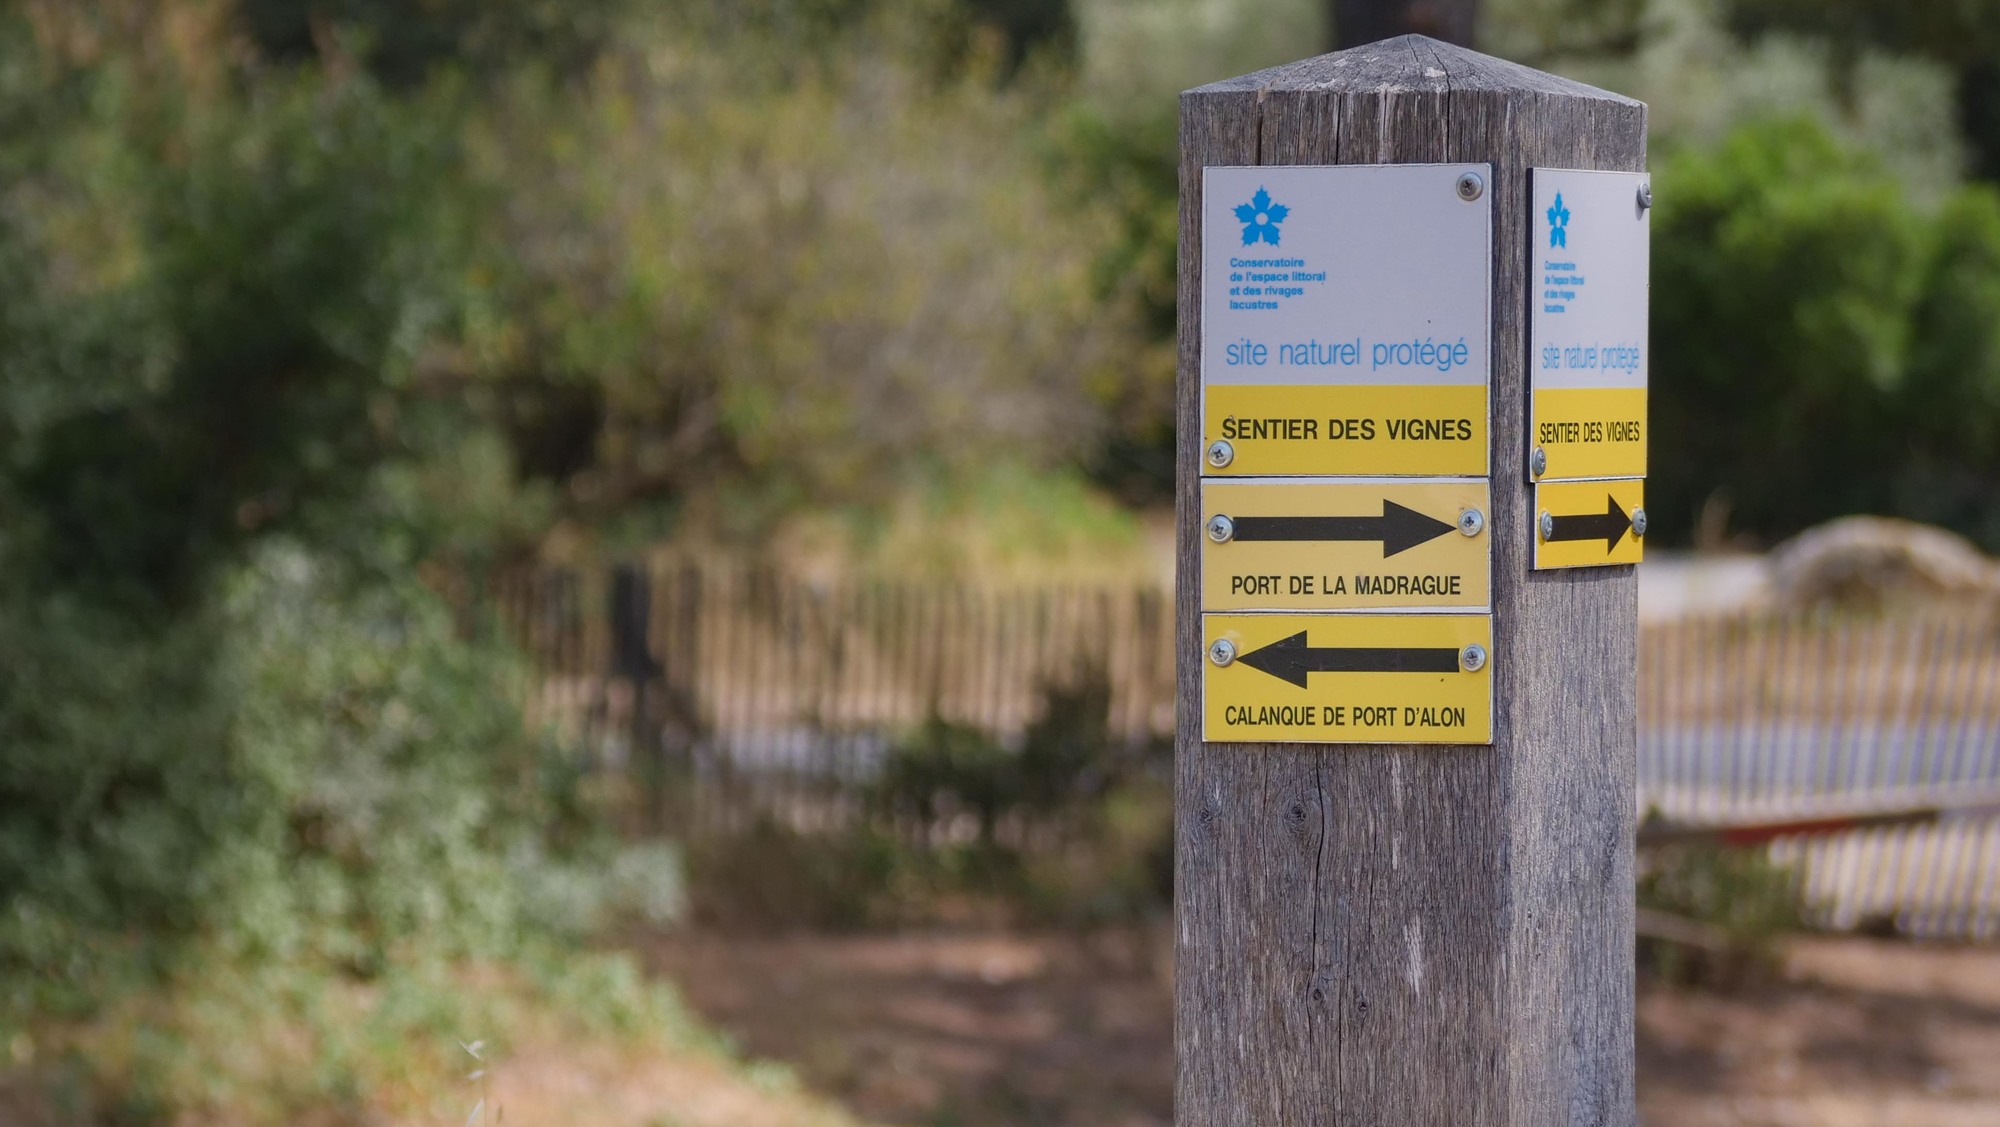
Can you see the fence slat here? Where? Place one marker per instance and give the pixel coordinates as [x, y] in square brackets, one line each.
[768, 696]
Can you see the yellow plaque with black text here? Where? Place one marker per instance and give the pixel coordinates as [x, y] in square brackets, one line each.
[1347, 678]
[1346, 320]
[1589, 523]
[1349, 544]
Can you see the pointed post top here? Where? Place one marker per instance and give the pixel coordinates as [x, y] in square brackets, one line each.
[1408, 63]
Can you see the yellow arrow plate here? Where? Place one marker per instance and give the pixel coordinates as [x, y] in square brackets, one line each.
[1347, 678]
[1589, 523]
[1387, 543]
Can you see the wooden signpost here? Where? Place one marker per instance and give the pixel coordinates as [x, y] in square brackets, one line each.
[1405, 755]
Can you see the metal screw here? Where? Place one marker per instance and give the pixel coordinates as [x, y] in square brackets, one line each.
[1548, 524]
[1220, 453]
[1222, 651]
[1538, 462]
[1470, 185]
[1471, 522]
[1221, 529]
[1645, 195]
[1472, 658]
[1638, 522]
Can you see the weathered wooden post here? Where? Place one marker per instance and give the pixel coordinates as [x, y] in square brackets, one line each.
[1406, 736]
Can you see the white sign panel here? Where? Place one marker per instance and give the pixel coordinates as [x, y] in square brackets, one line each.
[1346, 319]
[1587, 342]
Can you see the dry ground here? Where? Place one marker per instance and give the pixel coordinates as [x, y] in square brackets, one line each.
[605, 1086]
[987, 1029]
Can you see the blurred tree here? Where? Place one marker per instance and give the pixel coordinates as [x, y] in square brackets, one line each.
[1821, 345]
[950, 35]
[235, 350]
[402, 41]
[1964, 36]
[847, 279]
[1553, 33]
[1952, 417]
[1784, 272]
[1355, 22]
[1132, 166]
[1029, 24]
[229, 712]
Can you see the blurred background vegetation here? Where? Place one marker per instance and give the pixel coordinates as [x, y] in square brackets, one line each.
[318, 311]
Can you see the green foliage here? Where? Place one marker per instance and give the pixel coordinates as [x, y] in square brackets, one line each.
[1741, 902]
[237, 735]
[221, 315]
[1964, 37]
[280, 337]
[1953, 391]
[306, 775]
[226, 1042]
[402, 41]
[1071, 826]
[1821, 345]
[1131, 164]
[1784, 276]
[847, 278]
[1066, 757]
[946, 770]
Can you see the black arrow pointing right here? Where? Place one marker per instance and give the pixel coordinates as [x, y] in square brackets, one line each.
[1398, 528]
[1609, 526]
[1291, 659]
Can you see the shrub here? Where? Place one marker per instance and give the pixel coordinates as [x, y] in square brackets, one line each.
[1736, 906]
[308, 774]
[1822, 345]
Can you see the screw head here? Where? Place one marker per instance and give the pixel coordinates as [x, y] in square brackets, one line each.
[1538, 461]
[1645, 196]
[1221, 453]
[1638, 522]
[1221, 529]
[1222, 651]
[1471, 522]
[1470, 186]
[1472, 658]
[1548, 524]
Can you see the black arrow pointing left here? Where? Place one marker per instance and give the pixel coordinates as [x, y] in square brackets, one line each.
[1291, 659]
[1609, 526]
[1398, 528]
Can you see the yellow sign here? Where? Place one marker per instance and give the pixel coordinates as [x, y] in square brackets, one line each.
[1589, 523]
[1347, 678]
[1356, 545]
[1430, 430]
[1590, 431]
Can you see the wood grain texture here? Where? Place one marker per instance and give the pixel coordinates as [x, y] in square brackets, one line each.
[1389, 936]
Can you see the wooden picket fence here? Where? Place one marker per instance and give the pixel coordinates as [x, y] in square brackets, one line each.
[729, 695]
[1756, 720]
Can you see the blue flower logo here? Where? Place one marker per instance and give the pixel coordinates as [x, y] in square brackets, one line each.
[1260, 218]
[1558, 223]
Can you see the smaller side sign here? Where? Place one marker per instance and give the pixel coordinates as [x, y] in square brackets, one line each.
[1351, 545]
[1347, 678]
[1589, 523]
[1588, 346]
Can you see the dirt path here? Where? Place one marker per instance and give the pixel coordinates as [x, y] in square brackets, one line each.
[950, 1029]
[605, 1086]
[979, 1030]
[1865, 1033]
